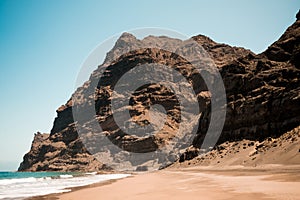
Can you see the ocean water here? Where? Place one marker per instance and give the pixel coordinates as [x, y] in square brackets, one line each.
[20, 185]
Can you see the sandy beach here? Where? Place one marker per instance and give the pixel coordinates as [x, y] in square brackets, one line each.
[205, 183]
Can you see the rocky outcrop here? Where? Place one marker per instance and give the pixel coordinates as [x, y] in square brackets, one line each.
[287, 47]
[62, 151]
[262, 94]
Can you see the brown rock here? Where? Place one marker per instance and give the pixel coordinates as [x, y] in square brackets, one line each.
[262, 101]
[53, 154]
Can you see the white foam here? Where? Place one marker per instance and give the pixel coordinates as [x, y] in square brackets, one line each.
[28, 187]
[91, 173]
[65, 176]
[19, 180]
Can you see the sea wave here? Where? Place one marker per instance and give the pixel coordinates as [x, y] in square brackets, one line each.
[21, 180]
[30, 186]
[91, 173]
[66, 176]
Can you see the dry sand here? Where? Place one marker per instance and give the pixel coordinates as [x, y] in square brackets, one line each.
[205, 183]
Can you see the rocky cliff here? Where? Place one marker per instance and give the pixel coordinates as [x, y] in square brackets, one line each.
[262, 93]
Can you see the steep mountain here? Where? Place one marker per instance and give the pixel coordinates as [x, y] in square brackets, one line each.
[262, 93]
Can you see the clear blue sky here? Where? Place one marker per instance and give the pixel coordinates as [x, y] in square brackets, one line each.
[44, 42]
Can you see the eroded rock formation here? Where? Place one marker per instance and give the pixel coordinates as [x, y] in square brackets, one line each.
[262, 92]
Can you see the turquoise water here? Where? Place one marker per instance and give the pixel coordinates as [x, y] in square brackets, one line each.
[17, 175]
[20, 185]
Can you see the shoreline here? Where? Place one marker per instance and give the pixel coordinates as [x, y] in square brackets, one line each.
[236, 182]
[74, 189]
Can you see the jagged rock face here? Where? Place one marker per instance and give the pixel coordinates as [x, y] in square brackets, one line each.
[62, 151]
[287, 47]
[142, 99]
[221, 54]
[262, 99]
[262, 92]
